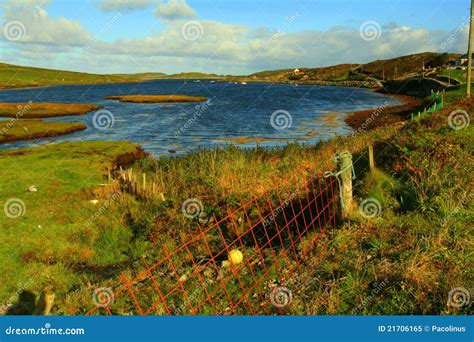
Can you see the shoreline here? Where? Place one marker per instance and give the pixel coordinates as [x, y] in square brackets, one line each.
[382, 116]
[357, 120]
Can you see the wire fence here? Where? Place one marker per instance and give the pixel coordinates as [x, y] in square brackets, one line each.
[250, 259]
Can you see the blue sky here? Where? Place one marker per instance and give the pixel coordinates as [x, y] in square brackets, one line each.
[239, 36]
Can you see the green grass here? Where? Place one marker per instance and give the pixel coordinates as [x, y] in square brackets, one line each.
[455, 94]
[458, 75]
[12, 130]
[40, 247]
[14, 76]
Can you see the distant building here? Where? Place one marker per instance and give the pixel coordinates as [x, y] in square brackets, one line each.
[298, 72]
[462, 61]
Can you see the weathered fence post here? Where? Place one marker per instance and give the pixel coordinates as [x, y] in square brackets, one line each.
[345, 167]
[344, 176]
[45, 302]
[371, 156]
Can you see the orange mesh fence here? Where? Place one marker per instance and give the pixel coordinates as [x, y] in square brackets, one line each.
[246, 260]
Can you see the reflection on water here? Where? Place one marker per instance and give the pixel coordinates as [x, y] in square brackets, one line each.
[235, 113]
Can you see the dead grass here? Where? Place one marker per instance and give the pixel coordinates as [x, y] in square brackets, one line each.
[30, 110]
[12, 130]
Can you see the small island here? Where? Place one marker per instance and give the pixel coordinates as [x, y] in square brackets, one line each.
[31, 110]
[35, 129]
[157, 98]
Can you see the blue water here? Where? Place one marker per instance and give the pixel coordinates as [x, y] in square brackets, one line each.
[233, 111]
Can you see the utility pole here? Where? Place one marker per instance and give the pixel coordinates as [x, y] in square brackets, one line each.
[469, 53]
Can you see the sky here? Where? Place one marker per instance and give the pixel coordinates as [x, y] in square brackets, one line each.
[224, 36]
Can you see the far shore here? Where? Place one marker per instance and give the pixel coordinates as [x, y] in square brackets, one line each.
[157, 98]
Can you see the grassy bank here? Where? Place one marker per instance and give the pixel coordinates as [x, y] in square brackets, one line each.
[44, 110]
[13, 130]
[48, 238]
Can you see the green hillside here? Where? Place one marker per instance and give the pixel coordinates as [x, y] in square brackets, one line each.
[15, 76]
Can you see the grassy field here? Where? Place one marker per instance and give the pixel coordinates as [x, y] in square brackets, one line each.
[12, 130]
[459, 75]
[15, 76]
[157, 98]
[78, 231]
[44, 244]
[44, 110]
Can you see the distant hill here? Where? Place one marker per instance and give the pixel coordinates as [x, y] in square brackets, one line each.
[394, 68]
[367, 75]
[405, 66]
[14, 76]
[191, 75]
[143, 75]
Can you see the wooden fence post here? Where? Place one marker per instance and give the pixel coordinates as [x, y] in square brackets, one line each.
[371, 156]
[345, 167]
[45, 302]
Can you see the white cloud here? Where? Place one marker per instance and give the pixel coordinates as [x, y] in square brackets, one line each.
[216, 41]
[124, 5]
[239, 49]
[213, 46]
[24, 23]
[175, 9]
